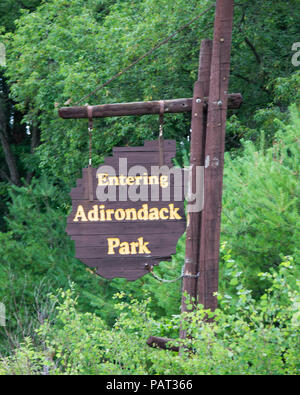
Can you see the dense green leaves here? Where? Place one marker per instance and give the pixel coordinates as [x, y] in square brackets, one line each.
[10, 11]
[254, 339]
[261, 201]
[59, 51]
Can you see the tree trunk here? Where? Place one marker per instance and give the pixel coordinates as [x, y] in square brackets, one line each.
[14, 176]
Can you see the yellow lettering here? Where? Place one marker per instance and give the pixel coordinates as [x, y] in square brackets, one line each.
[102, 212]
[112, 244]
[130, 211]
[124, 248]
[80, 214]
[142, 214]
[120, 214]
[134, 246]
[153, 180]
[164, 181]
[138, 178]
[102, 178]
[130, 180]
[93, 214]
[109, 213]
[161, 213]
[122, 180]
[105, 179]
[143, 246]
[113, 180]
[174, 212]
[145, 178]
[153, 214]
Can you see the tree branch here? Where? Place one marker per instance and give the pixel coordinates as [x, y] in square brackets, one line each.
[250, 81]
[161, 342]
[251, 46]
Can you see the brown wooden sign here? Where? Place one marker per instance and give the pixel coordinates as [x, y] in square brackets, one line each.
[120, 236]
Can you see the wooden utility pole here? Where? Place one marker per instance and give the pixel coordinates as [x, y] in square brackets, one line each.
[207, 283]
[198, 137]
[201, 268]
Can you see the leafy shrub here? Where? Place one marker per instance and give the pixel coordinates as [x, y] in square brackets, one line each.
[37, 256]
[260, 205]
[246, 336]
[260, 221]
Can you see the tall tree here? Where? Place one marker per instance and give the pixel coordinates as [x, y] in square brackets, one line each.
[64, 49]
[15, 136]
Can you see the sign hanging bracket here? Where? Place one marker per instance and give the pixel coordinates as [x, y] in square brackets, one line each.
[161, 131]
[90, 170]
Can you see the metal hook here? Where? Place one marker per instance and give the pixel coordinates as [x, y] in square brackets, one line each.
[161, 138]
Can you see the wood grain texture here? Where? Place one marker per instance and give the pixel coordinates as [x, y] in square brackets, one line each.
[98, 239]
[198, 136]
[214, 155]
[141, 108]
[172, 227]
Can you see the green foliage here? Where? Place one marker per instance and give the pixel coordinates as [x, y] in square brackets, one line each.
[260, 204]
[76, 51]
[62, 49]
[259, 208]
[10, 10]
[246, 337]
[37, 255]
[287, 89]
[264, 32]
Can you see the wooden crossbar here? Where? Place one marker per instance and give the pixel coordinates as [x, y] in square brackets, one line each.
[141, 108]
